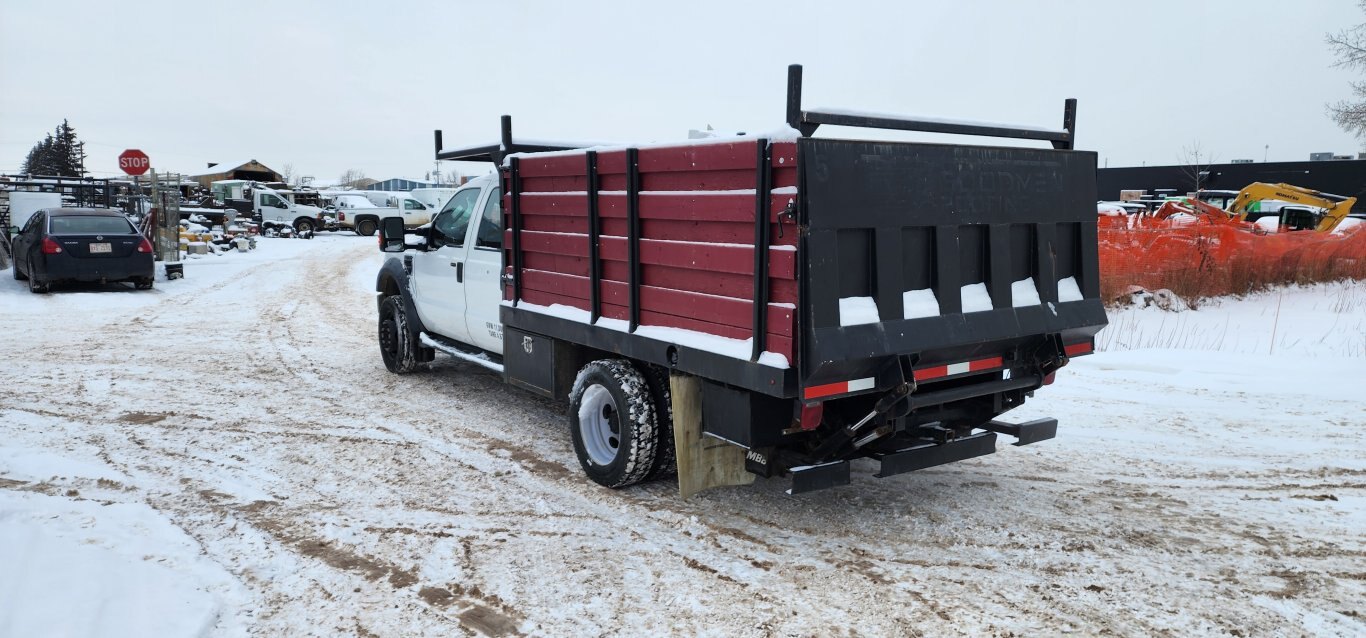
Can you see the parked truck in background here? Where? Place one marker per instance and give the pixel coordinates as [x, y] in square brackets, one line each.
[762, 305]
[364, 220]
[274, 209]
[434, 198]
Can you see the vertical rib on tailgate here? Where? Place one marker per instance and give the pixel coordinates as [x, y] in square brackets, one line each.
[1004, 239]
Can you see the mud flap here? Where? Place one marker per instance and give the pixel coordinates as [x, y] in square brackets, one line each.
[703, 462]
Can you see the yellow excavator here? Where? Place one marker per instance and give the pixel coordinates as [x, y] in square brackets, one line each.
[1335, 207]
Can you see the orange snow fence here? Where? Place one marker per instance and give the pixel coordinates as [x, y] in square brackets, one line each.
[1201, 258]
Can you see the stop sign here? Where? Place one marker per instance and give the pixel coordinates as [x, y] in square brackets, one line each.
[134, 162]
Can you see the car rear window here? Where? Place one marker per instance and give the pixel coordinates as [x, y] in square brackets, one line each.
[89, 225]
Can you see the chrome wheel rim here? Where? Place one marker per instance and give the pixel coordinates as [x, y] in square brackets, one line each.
[599, 425]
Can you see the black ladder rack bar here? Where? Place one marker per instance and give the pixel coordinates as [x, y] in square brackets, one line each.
[495, 153]
[808, 121]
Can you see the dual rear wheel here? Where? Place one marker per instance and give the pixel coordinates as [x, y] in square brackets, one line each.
[619, 419]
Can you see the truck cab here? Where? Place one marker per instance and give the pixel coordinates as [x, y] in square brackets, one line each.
[454, 278]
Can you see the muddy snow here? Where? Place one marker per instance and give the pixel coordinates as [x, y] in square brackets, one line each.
[226, 455]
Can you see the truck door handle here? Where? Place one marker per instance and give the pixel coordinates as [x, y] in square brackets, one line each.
[459, 271]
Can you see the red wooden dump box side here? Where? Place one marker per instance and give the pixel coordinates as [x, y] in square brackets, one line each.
[697, 232]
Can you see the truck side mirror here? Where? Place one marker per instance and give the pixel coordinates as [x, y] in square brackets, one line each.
[391, 235]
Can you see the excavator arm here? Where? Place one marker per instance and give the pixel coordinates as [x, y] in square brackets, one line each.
[1335, 207]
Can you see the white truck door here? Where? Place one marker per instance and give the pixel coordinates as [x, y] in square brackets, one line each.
[483, 272]
[273, 208]
[438, 272]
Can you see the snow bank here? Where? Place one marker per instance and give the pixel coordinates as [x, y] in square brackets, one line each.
[79, 568]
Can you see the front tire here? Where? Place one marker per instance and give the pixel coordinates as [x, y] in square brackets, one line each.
[397, 343]
[144, 284]
[366, 228]
[304, 226]
[612, 423]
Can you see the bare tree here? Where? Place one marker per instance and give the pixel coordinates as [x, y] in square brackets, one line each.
[1349, 46]
[1195, 162]
[287, 172]
[351, 176]
[452, 178]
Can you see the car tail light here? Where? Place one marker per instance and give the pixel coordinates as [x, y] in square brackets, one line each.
[50, 247]
[341, 217]
[145, 246]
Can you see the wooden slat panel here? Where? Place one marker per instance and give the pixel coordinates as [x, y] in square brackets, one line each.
[553, 166]
[688, 158]
[698, 180]
[707, 258]
[723, 284]
[711, 308]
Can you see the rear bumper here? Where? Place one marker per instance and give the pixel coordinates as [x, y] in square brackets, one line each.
[59, 268]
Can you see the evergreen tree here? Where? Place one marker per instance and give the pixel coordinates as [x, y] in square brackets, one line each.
[60, 154]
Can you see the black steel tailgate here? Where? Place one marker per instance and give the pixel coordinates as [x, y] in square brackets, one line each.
[882, 218]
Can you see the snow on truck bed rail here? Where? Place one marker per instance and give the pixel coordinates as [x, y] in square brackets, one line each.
[780, 134]
[737, 348]
[937, 120]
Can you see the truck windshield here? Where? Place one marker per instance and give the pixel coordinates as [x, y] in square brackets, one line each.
[453, 221]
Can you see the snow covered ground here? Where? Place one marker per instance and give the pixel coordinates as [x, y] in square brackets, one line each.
[226, 455]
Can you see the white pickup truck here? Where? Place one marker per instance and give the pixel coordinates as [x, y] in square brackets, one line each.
[274, 209]
[358, 213]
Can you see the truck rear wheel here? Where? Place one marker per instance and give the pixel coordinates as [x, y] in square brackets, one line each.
[665, 455]
[366, 227]
[397, 344]
[612, 422]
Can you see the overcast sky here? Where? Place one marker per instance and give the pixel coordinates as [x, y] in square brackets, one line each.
[329, 86]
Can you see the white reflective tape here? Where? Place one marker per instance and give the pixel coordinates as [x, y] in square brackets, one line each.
[861, 384]
[959, 368]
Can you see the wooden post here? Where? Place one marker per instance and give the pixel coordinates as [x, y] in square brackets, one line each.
[703, 462]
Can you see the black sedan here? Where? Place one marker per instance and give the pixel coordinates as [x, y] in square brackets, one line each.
[81, 244]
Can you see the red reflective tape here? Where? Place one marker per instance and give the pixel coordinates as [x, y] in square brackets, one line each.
[829, 389]
[986, 364]
[925, 374]
[1085, 347]
[980, 365]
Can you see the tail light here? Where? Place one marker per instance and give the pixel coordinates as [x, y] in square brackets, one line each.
[341, 217]
[145, 246]
[810, 416]
[50, 247]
